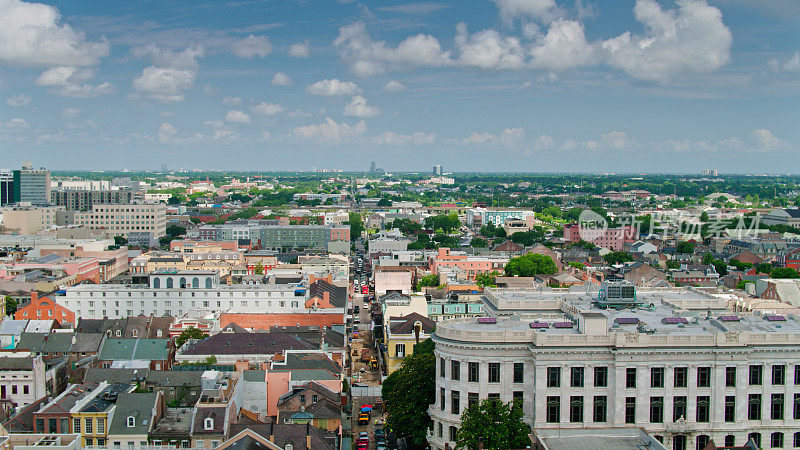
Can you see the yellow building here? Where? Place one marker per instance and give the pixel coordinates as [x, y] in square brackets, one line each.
[401, 334]
[92, 415]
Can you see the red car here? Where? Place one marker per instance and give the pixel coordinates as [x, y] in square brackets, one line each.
[362, 444]
[365, 289]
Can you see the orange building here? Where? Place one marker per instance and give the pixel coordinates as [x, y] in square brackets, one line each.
[44, 309]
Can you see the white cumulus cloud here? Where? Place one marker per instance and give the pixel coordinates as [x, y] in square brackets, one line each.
[532, 9]
[231, 101]
[268, 109]
[394, 86]
[333, 87]
[300, 50]
[15, 123]
[33, 35]
[330, 132]
[71, 81]
[281, 79]
[765, 141]
[166, 132]
[252, 46]
[791, 64]
[691, 38]
[397, 139]
[237, 116]
[171, 75]
[69, 113]
[358, 107]
[19, 100]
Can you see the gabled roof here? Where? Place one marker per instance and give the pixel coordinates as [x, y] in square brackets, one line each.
[217, 413]
[86, 342]
[135, 349]
[336, 294]
[138, 405]
[293, 434]
[22, 422]
[64, 402]
[405, 324]
[60, 342]
[247, 344]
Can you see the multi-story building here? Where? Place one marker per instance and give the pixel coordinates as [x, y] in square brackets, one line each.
[92, 414]
[610, 238]
[477, 217]
[6, 187]
[680, 364]
[22, 378]
[31, 185]
[124, 219]
[31, 220]
[175, 293]
[82, 200]
[470, 265]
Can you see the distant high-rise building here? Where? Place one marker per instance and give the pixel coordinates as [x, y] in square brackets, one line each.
[708, 172]
[31, 185]
[6, 187]
[163, 167]
[372, 166]
[438, 170]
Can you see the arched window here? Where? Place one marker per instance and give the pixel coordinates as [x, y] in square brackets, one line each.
[119, 333]
[195, 282]
[702, 441]
[170, 284]
[182, 283]
[135, 333]
[208, 282]
[156, 283]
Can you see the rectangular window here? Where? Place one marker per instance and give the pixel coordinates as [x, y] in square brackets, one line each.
[442, 398]
[400, 351]
[657, 377]
[553, 409]
[455, 402]
[630, 378]
[88, 426]
[494, 372]
[797, 374]
[453, 434]
[754, 407]
[704, 377]
[779, 375]
[776, 440]
[630, 409]
[576, 409]
[40, 425]
[680, 376]
[455, 370]
[576, 377]
[553, 377]
[730, 408]
[756, 375]
[600, 408]
[473, 369]
[796, 406]
[678, 408]
[442, 368]
[472, 398]
[76, 426]
[101, 425]
[776, 407]
[730, 377]
[703, 408]
[601, 377]
[656, 409]
[519, 372]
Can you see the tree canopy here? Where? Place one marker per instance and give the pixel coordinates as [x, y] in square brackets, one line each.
[617, 257]
[445, 222]
[407, 393]
[530, 265]
[189, 333]
[495, 425]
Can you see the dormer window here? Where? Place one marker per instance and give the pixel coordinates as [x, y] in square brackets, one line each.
[208, 423]
[131, 421]
[158, 333]
[135, 333]
[119, 333]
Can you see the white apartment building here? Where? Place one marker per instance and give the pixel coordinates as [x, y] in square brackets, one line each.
[175, 293]
[680, 364]
[22, 378]
[123, 219]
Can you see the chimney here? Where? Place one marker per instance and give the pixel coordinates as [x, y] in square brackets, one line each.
[34, 298]
[326, 296]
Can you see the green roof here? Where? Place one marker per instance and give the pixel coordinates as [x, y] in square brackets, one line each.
[134, 349]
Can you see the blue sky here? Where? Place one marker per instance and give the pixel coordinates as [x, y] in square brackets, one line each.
[495, 85]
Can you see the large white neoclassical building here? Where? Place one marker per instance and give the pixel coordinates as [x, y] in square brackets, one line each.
[676, 362]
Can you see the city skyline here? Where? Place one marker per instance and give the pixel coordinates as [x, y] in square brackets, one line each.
[540, 86]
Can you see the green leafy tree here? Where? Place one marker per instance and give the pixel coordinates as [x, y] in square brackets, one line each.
[407, 393]
[384, 202]
[672, 264]
[176, 199]
[11, 305]
[356, 226]
[445, 222]
[784, 272]
[685, 247]
[529, 237]
[175, 230]
[120, 241]
[529, 265]
[478, 242]
[494, 425]
[764, 268]
[577, 265]
[189, 333]
[486, 279]
[428, 280]
[617, 257]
